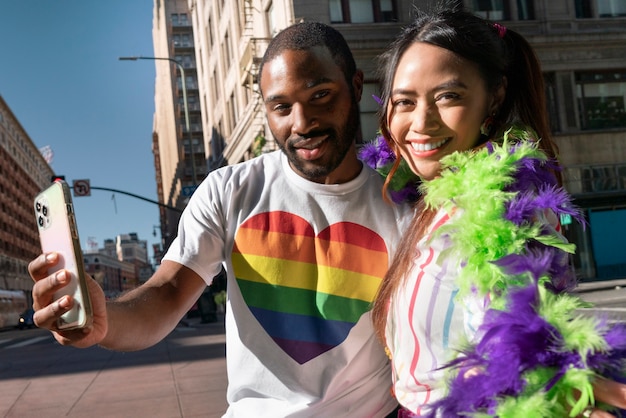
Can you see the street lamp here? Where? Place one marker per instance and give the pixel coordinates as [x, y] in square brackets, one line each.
[185, 105]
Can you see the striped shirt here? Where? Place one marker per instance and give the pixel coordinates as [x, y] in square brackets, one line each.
[423, 340]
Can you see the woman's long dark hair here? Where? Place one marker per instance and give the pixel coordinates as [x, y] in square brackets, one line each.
[499, 54]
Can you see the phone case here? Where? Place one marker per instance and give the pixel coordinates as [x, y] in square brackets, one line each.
[54, 214]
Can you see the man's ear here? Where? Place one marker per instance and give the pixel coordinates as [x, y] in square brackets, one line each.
[357, 85]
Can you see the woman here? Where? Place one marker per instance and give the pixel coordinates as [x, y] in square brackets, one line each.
[474, 311]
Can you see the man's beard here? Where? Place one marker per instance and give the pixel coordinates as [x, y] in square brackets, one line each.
[341, 142]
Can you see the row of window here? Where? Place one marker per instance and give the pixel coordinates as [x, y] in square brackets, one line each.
[600, 98]
[371, 11]
[362, 11]
[596, 179]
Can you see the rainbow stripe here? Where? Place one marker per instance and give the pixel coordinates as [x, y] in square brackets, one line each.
[307, 291]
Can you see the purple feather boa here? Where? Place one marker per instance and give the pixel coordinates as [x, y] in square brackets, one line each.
[518, 339]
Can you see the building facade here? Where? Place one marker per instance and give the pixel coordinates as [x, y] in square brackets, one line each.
[23, 174]
[581, 44]
[178, 144]
[113, 275]
[120, 265]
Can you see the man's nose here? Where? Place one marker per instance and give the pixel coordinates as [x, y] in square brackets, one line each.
[303, 119]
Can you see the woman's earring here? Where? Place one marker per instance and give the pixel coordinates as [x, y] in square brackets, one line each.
[486, 127]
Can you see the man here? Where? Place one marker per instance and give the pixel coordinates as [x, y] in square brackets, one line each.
[305, 237]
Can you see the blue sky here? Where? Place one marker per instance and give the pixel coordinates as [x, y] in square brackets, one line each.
[61, 77]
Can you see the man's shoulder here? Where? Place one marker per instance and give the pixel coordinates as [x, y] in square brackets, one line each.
[263, 162]
[272, 157]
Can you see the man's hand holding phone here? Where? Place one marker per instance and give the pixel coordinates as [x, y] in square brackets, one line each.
[48, 310]
[61, 294]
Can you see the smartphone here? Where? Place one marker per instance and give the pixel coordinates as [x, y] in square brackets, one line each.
[54, 213]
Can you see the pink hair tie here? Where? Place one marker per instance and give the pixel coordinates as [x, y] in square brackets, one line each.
[501, 29]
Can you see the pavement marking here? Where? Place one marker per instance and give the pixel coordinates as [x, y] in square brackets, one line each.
[27, 342]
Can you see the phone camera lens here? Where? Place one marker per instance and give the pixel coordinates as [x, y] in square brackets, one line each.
[40, 221]
[44, 210]
[38, 206]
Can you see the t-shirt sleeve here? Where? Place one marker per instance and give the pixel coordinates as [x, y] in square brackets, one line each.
[200, 242]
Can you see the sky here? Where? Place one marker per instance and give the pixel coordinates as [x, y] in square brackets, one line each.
[61, 77]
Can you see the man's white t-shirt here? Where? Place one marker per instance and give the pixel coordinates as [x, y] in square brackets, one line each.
[304, 262]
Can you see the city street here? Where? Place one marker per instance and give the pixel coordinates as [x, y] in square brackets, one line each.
[608, 297]
[183, 376]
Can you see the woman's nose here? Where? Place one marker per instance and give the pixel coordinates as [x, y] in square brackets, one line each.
[423, 118]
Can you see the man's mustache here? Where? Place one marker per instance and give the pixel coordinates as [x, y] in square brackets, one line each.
[313, 134]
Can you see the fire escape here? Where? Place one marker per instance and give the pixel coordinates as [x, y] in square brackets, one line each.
[250, 131]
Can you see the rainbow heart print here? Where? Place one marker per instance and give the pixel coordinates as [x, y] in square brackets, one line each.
[307, 291]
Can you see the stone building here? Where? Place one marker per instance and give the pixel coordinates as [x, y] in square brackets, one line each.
[24, 172]
[581, 44]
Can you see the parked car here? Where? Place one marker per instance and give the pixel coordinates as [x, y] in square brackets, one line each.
[26, 319]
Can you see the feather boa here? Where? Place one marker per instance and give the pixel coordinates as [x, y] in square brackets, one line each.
[379, 156]
[535, 355]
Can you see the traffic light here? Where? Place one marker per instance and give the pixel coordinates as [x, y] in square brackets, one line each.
[56, 177]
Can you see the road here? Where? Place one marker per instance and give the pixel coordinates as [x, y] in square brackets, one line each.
[608, 298]
[184, 376]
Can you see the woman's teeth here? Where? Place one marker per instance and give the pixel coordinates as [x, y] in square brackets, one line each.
[420, 147]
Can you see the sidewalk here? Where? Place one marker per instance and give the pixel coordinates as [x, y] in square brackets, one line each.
[590, 286]
[182, 376]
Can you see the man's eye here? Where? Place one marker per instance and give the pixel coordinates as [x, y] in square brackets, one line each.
[321, 94]
[280, 108]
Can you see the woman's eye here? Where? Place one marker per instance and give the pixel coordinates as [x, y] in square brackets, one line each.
[402, 103]
[447, 96]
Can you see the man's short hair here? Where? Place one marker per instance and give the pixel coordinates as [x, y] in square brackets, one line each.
[307, 35]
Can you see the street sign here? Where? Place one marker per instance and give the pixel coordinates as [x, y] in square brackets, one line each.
[188, 190]
[81, 187]
[566, 219]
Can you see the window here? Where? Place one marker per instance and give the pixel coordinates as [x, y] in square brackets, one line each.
[183, 40]
[602, 8]
[525, 10]
[600, 97]
[583, 8]
[209, 31]
[187, 60]
[552, 103]
[369, 108]
[490, 9]
[229, 49]
[602, 178]
[232, 112]
[179, 19]
[226, 53]
[193, 102]
[214, 87]
[190, 82]
[362, 11]
[505, 9]
[196, 143]
[195, 123]
[269, 18]
[611, 8]
[183, 19]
